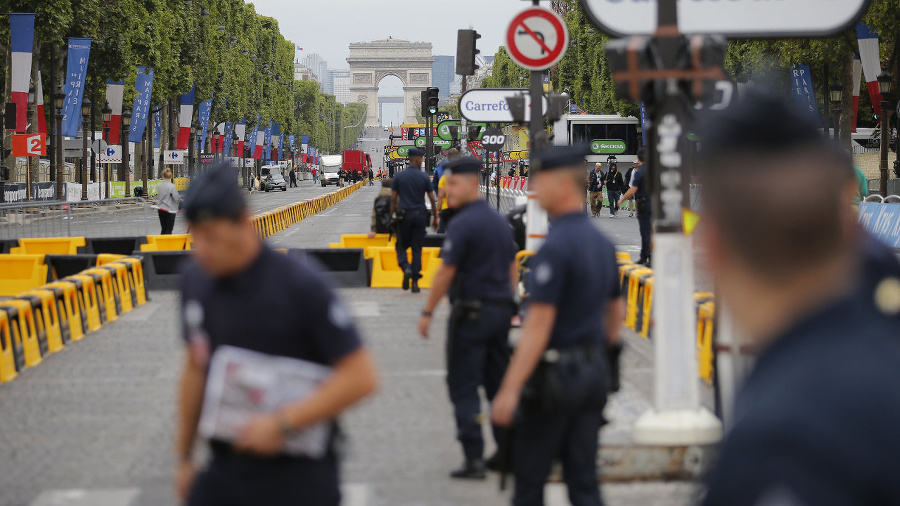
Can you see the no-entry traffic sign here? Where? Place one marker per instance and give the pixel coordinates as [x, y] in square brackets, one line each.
[734, 18]
[537, 39]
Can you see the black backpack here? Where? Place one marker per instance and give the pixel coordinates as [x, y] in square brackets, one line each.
[383, 214]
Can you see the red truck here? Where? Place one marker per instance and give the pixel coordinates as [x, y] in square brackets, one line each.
[356, 164]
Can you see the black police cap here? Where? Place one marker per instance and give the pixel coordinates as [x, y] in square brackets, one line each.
[465, 165]
[560, 157]
[416, 152]
[214, 194]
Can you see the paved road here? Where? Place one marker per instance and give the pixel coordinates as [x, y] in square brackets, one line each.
[98, 418]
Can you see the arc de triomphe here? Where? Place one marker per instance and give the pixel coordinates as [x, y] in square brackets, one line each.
[370, 62]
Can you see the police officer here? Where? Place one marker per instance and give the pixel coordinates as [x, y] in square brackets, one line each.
[641, 196]
[557, 382]
[816, 420]
[478, 272]
[408, 189]
[234, 275]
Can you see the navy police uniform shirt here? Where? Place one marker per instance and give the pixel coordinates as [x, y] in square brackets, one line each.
[480, 244]
[575, 271]
[278, 306]
[640, 182]
[411, 185]
[816, 420]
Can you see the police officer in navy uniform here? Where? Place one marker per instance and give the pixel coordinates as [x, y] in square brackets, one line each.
[478, 273]
[409, 188]
[816, 419]
[234, 276]
[639, 190]
[557, 382]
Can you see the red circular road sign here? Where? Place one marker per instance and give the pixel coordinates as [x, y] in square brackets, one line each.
[537, 39]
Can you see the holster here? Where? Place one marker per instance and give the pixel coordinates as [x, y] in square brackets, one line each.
[460, 311]
[643, 205]
[565, 379]
[613, 354]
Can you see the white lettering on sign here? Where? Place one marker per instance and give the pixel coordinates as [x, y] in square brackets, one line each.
[670, 196]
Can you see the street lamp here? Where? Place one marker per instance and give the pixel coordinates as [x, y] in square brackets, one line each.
[85, 113]
[836, 94]
[107, 114]
[126, 151]
[884, 87]
[59, 99]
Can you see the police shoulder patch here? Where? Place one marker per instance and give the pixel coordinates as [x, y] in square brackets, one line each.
[543, 273]
[339, 315]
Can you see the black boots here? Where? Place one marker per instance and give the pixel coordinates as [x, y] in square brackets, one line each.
[415, 286]
[407, 276]
[472, 469]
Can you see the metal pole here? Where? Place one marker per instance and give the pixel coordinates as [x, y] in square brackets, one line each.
[94, 174]
[538, 222]
[51, 140]
[885, 132]
[144, 164]
[84, 160]
[126, 162]
[60, 160]
[2, 150]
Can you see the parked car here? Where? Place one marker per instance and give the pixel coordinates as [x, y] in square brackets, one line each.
[273, 181]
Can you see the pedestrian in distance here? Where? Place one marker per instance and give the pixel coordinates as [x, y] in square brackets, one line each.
[168, 200]
[479, 274]
[293, 178]
[310, 354]
[614, 188]
[815, 421]
[371, 178]
[381, 211]
[641, 196]
[315, 175]
[628, 179]
[595, 189]
[558, 379]
[408, 189]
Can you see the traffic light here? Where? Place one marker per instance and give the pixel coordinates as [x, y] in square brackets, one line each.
[474, 132]
[466, 51]
[430, 101]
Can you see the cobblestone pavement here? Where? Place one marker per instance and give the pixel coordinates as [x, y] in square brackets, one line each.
[99, 416]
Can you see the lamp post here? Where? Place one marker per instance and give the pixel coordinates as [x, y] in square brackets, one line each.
[126, 151]
[59, 99]
[107, 115]
[884, 87]
[836, 94]
[85, 112]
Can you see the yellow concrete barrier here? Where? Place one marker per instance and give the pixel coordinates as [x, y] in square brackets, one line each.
[107, 291]
[362, 241]
[24, 333]
[173, 242]
[706, 313]
[46, 318]
[48, 246]
[121, 286]
[69, 309]
[136, 279]
[9, 370]
[634, 278]
[94, 306]
[20, 273]
[386, 272]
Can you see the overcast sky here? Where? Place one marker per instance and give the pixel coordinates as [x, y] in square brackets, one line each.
[328, 27]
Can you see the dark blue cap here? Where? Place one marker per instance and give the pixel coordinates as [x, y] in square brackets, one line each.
[214, 194]
[416, 152]
[560, 157]
[464, 165]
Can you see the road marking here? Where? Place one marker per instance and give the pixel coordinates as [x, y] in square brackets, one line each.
[414, 374]
[355, 494]
[84, 497]
[365, 309]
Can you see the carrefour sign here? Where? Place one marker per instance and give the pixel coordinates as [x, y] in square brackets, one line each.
[489, 105]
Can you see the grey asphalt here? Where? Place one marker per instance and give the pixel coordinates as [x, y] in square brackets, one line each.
[96, 421]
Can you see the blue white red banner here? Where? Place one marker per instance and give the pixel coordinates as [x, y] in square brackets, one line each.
[76, 72]
[185, 116]
[871, 62]
[802, 90]
[143, 84]
[115, 91]
[21, 42]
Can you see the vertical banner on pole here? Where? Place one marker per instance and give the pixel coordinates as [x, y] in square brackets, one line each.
[275, 137]
[157, 128]
[229, 127]
[39, 103]
[857, 77]
[802, 90]
[143, 84]
[76, 72]
[644, 127]
[871, 62]
[21, 42]
[115, 91]
[203, 115]
[240, 129]
[185, 115]
[259, 141]
[267, 142]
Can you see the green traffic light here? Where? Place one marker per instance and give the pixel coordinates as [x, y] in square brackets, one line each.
[433, 110]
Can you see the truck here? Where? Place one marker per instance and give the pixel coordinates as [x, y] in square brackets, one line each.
[356, 164]
[329, 168]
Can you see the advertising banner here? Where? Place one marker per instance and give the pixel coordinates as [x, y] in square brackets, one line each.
[76, 72]
[141, 106]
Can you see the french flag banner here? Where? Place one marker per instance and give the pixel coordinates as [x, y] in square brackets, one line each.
[21, 42]
[276, 141]
[185, 115]
[259, 141]
[240, 129]
[115, 91]
[871, 64]
[857, 76]
[76, 71]
[39, 102]
[251, 140]
[220, 145]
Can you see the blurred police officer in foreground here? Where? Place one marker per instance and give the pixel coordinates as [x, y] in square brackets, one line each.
[409, 188]
[558, 378]
[235, 275]
[478, 273]
[639, 191]
[816, 420]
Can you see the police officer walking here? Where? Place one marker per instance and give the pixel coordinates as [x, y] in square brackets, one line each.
[234, 274]
[558, 379]
[638, 190]
[409, 188]
[478, 273]
[816, 419]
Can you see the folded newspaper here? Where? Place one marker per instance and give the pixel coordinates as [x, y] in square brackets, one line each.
[244, 383]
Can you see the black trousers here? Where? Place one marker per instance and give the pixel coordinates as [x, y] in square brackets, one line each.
[243, 480]
[166, 221]
[644, 224]
[411, 235]
[477, 355]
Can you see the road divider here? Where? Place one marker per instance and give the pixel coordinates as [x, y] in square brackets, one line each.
[271, 222]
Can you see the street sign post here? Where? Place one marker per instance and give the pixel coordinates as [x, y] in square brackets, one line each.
[488, 105]
[112, 154]
[493, 140]
[734, 18]
[537, 39]
[174, 157]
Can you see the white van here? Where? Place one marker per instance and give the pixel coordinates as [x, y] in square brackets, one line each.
[330, 166]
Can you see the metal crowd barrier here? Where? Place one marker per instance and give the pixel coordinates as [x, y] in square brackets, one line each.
[90, 218]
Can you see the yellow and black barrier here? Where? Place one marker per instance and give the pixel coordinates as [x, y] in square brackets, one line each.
[271, 222]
